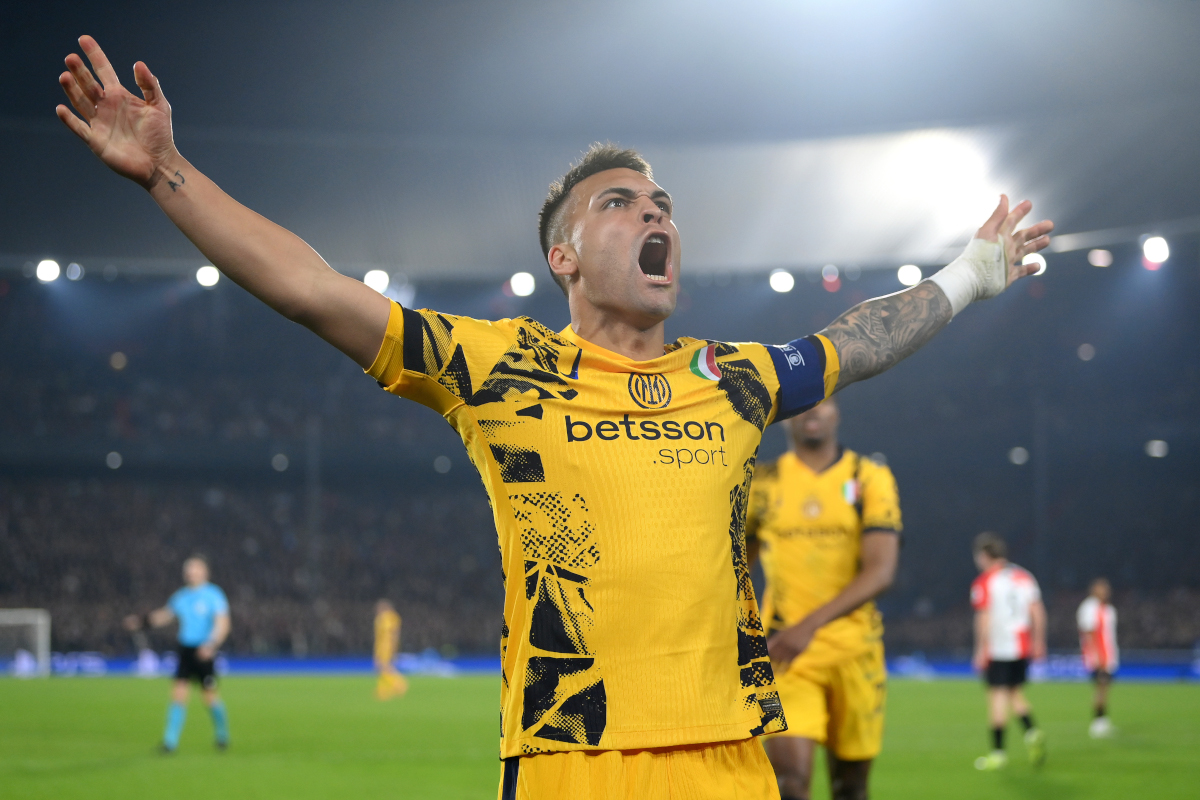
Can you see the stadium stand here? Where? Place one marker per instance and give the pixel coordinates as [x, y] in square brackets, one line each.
[214, 386]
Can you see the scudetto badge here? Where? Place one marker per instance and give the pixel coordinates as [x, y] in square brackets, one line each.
[649, 391]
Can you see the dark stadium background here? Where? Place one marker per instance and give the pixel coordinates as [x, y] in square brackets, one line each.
[390, 134]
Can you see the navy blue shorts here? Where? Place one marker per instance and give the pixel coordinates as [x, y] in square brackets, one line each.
[193, 668]
[1007, 674]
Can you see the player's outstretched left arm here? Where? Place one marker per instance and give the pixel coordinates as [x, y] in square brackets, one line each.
[132, 136]
[876, 335]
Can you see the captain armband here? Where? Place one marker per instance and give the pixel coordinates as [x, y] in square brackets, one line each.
[800, 368]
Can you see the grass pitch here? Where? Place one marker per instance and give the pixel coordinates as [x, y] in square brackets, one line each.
[299, 738]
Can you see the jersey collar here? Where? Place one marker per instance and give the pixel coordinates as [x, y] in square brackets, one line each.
[678, 356]
[841, 456]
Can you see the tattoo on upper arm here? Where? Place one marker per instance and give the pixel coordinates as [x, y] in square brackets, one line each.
[874, 336]
[175, 185]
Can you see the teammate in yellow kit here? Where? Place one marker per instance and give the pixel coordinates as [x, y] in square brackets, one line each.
[826, 522]
[387, 643]
[618, 466]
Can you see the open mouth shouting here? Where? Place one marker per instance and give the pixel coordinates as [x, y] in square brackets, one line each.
[654, 258]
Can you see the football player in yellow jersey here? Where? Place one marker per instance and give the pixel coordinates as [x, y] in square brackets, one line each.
[826, 522]
[387, 643]
[618, 466]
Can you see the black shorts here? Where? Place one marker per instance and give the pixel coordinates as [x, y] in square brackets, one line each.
[193, 668]
[1009, 674]
[1099, 675]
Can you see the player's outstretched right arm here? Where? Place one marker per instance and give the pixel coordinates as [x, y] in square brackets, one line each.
[155, 619]
[132, 136]
[876, 335]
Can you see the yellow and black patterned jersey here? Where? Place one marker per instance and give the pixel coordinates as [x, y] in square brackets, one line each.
[809, 527]
[387, 633]
[619, 491]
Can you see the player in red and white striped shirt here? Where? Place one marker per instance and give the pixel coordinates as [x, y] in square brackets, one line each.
[1010, 629]
[1097, 621]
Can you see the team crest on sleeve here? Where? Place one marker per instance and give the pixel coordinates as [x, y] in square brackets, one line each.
[704, 363]
[650, 391]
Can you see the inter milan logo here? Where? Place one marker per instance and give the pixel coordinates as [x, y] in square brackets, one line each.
[649, 391]
[812, 508]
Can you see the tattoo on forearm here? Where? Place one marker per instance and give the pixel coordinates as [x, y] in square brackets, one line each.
[175, 185]
[876, 335]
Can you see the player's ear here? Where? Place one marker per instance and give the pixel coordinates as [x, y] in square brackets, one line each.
[563, 260]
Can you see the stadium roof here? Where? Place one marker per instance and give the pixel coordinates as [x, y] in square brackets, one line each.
[421, 137]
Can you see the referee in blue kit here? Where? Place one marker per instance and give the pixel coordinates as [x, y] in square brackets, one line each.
[203, 614]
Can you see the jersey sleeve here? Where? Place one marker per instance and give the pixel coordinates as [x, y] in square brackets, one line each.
[979, 594]
[880, 498]
[1085, 617]
[175, 603]
[429, 357]
[807, 370]
[220, 601]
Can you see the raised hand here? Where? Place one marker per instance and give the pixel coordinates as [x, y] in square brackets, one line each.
[130, 134]
[875, 335]
[1000, 226]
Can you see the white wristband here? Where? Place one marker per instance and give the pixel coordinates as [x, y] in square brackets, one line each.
[979, 273]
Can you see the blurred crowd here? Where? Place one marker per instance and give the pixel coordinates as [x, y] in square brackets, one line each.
[1146, 622]
[202, 391]
[93, 551]
[246, 408]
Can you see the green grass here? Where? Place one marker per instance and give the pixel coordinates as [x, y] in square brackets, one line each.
[327, 737]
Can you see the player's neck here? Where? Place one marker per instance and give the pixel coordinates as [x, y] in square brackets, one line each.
[818, 456]
[616, 333]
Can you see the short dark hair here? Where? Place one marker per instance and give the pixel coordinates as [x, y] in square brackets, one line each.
[598, 158]
[990, 544]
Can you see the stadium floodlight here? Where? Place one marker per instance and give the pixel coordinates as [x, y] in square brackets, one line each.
[909, 274]
[377, 279]
[1157, 448]
[47, 270]
[1100, 258]
[1155, 250]
[118, 361]
[113, 460]
[1018, 456]
[522, 284]
[29, 630]
[207, 276]
[74, 271]
[829, 273]
[441, 465]
[781, 280]
[1035, 258]
[1086, 352]
[279, 462]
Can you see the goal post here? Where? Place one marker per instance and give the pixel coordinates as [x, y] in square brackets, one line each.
[25, 640]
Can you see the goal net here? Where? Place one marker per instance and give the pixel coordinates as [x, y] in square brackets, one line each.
[25, 641]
